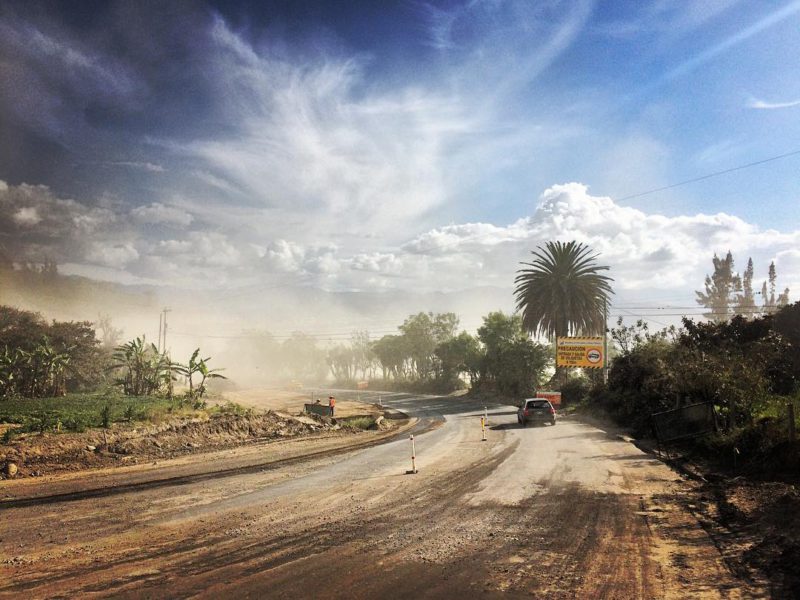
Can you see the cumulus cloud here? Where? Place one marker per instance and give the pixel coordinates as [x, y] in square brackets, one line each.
[27, 216]
[644, 250]
[112, 255]
[35, 224]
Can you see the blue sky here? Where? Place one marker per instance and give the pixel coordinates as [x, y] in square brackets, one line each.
[366, 146]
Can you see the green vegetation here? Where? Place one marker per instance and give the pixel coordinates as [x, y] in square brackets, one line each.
[76, 412]
[428, 354]
[196, 367]
[141, 369]
[749, 369]
[562, 291]
[50, 374]
[40, 359]
[358, 423]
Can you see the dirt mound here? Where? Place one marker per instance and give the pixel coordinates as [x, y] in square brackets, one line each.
[37, 454]
[762, 520]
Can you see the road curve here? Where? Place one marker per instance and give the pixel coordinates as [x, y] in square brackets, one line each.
[550, 512]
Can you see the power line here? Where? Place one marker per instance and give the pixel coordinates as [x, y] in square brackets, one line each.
[710, 175]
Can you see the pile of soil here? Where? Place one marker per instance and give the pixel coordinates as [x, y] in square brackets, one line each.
[39, 454]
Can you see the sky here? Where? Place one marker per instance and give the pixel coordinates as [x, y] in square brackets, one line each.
[373, 146]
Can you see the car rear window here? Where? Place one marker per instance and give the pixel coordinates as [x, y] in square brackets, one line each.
[539, 404]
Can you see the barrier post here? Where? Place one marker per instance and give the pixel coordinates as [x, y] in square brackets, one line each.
[483, 430]
[413, 470]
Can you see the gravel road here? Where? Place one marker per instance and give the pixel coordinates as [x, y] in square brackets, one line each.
[569, 511]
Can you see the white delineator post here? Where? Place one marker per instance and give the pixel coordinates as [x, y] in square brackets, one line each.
[483, 430]
[413, 470]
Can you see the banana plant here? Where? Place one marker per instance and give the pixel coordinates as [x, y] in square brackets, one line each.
[198, 367]
[143, 369]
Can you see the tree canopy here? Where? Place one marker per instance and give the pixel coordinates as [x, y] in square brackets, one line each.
[562, 291]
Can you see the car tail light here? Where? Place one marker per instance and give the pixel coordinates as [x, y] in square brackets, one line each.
[552, 410]
[525, 412]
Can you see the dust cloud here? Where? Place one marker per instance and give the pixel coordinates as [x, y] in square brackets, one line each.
[259, 335]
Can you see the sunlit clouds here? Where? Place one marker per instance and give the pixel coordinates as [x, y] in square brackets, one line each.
[645, 251]
[422, 147]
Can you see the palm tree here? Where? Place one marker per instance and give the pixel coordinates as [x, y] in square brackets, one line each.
[562, 292]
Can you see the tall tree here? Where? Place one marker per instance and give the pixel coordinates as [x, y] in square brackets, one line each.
[721, 290]
[746, 300]
[562, 291]
[423, 332]
[772, 302]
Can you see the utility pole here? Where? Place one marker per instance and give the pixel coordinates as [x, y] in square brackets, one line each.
[160, 329]
[163, 347]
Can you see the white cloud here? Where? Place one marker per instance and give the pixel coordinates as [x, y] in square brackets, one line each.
[160, 214]
[644, 251]
[762, 105]
[112, 255]
[146, 166]
[27, 216]
[316, 134]
[35, 224]
[787, 266]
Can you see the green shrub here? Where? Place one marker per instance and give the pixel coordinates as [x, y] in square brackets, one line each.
[359, 423]
[574, 391]
[75, 424]
[105, 416]
[8, 435]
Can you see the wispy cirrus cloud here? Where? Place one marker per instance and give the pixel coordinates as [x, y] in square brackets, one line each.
[763, 105]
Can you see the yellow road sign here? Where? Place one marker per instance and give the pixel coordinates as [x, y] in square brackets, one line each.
[585, 352]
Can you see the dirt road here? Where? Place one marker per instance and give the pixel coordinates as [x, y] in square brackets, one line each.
[548, 512]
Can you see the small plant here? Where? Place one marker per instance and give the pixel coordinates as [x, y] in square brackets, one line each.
[76, 424]
[41, 423]
[197, 367]
[105, 416]
[360, 423]
[8, 435]
[130, 413]
[231, 408]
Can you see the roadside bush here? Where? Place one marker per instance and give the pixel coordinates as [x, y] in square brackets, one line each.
[363, 423]
[40, 359]
[762, 448]
[231, 408]
[105, 416]
[574, 391]
[75, 424]
[8, 436]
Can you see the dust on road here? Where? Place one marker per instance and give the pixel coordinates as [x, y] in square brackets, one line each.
[550, 512]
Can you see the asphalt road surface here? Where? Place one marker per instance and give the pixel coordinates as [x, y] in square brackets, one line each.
[569, 511]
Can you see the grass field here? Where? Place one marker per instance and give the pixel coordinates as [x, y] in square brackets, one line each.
[76, 412]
